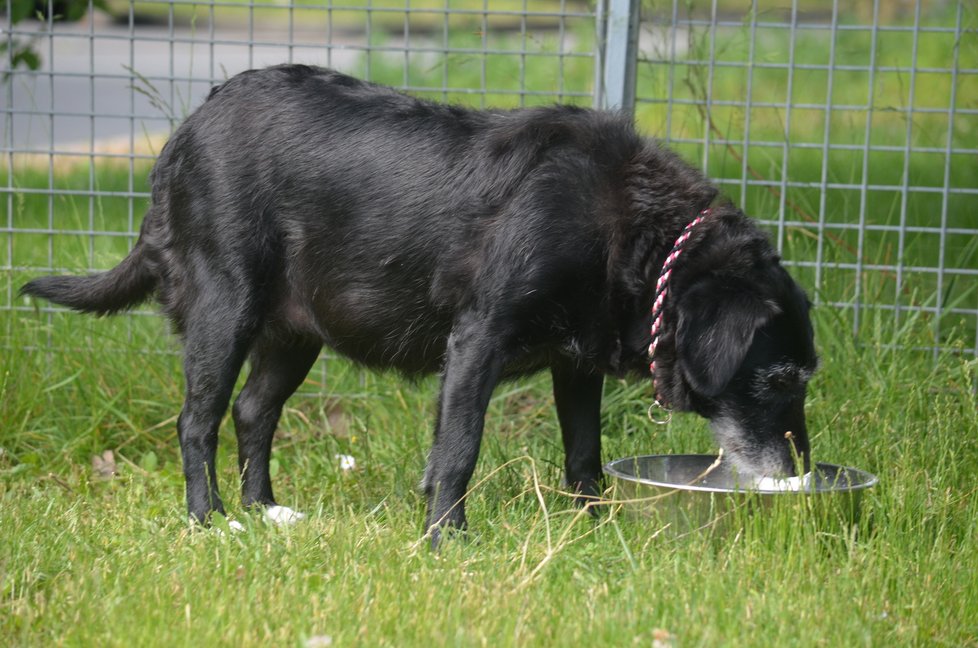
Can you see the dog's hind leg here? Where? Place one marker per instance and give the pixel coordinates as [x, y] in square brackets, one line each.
[577, 394]
[219, 328]
[278, 367]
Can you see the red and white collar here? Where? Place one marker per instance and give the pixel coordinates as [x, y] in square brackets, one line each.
[661, 291]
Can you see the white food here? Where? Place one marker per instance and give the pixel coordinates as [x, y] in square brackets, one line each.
[797, 483]
[233, 526]
[283, 515]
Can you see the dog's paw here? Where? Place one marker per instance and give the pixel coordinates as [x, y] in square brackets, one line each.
[283, 515]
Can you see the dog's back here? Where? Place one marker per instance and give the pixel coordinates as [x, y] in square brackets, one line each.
[369, 217]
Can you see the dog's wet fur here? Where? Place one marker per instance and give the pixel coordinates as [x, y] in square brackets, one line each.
[299, 207]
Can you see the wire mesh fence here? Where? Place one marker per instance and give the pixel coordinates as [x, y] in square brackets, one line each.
[850, 131]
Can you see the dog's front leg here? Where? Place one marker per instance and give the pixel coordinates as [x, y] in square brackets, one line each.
[577, 394]
[473, 365]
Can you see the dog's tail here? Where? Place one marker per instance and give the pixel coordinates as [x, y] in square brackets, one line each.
[129, 283]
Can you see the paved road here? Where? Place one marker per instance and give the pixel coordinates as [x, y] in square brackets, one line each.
[102, 83]
[86, 92]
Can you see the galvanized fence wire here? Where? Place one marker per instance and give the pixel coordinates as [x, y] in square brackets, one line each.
[849, 131]
[80, 132]
[111, 88]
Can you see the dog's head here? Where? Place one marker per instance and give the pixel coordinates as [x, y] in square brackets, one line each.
[743, 351]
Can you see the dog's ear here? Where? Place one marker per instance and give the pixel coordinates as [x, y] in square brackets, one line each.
[716, 325]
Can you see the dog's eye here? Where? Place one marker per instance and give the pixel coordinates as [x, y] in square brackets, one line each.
[779, 382]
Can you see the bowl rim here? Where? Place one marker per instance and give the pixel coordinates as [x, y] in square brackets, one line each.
[609, 469]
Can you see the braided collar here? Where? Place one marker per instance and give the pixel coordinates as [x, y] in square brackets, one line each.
[661, 291]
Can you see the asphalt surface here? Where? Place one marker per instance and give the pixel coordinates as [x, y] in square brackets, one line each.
[100, 82]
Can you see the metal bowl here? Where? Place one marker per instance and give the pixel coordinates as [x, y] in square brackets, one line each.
[688, 492]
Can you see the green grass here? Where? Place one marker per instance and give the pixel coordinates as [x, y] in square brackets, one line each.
[113, 562]
[89, 561]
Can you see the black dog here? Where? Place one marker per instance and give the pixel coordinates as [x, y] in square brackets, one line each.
[299, 207]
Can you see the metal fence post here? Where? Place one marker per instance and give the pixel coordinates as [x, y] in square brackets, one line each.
[619, 33]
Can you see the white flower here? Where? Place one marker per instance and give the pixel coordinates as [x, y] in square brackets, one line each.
[346, 462]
